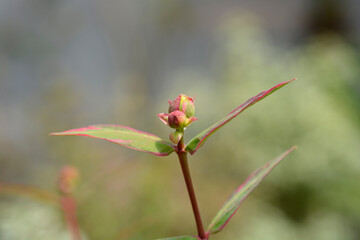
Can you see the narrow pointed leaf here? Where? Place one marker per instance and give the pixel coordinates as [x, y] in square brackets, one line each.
[181, 238]
[125, 136]
[199, 139]
[233, 203]
[29, 191]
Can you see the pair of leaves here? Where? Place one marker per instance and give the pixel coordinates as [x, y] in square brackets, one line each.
[147, 142]
[233, 203]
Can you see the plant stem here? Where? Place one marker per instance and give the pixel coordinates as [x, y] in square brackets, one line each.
[182, 154]
[68, 205]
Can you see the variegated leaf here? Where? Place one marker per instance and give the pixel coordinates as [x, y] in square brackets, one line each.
[200, 139]
[124, 136]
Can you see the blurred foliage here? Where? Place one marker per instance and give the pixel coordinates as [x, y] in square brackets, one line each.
[124, 194]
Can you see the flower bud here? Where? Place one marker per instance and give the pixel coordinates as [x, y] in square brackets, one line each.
[177, 120]
[184, 104]
[67, 179]
[176, 136]
[174, 105]
[181, 112]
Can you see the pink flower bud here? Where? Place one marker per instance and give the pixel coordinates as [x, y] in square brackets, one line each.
[175, 105]
[184, 104]
[181, 112]
[67, 179]
[177, 120]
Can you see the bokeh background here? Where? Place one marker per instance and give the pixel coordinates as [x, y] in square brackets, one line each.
[72, 63]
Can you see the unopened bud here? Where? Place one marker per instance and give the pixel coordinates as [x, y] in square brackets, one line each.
[176, 136]
[184, 104]
[67, 179]
[177, 120]
[181, 113]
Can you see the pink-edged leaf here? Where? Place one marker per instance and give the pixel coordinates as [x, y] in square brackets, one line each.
[199, 139]
[233, 203]
[181, 238]
[29, 191]
[124, 136]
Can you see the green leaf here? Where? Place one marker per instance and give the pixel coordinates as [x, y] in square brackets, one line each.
[28, 191]
[233, 203]
[124, 136]
[181, 238]
[200, 139]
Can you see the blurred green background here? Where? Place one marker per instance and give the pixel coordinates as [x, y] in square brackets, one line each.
[72, 63]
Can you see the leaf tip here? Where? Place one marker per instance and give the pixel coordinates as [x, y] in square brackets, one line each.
[286, 82]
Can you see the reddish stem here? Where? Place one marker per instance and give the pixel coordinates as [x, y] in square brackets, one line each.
[182, 154]
[68, 205]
